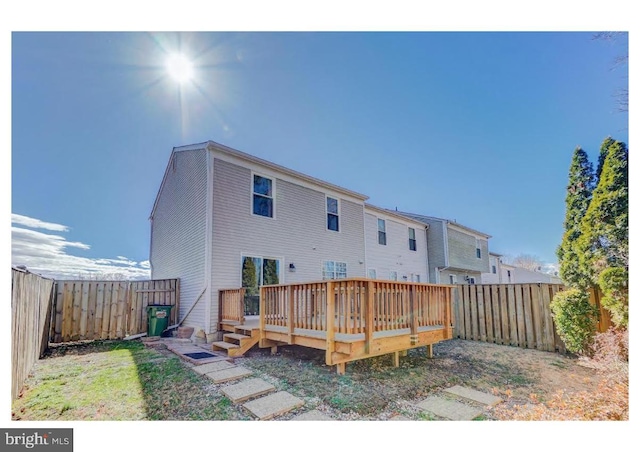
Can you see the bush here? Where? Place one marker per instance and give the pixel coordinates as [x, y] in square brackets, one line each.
[614, 283]
[575, 319]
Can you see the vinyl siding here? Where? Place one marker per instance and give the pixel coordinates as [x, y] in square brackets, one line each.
[460, 275]
[296, 234]
[462, 252]
[436, 249]
[395, 255]
[178, 231]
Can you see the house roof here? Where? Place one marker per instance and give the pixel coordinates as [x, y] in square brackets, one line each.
[212, 145]
[393, 213]
[425, 218]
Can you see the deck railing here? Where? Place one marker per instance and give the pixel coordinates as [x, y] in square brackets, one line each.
[359, 306]
[232, 305]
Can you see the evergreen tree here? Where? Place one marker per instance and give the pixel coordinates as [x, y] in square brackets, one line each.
[604, 241]
[604, 149]
[577, 202]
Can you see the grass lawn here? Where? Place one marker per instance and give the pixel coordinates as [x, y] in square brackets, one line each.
[117, 380]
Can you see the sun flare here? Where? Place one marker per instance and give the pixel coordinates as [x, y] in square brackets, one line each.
[180, 68]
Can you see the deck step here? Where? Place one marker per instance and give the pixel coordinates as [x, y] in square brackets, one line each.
[223, 345]
[235, 336]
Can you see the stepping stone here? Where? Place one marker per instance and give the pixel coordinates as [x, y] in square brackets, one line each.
[474, 396]
[247, 389]
[213, 367]
[232, 373]
[399, 417]
[449, 409]
[313, 415]
[273, 405]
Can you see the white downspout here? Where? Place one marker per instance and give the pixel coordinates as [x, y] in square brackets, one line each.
[208, 245]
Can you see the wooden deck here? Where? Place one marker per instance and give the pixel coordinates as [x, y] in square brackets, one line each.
[366, 317]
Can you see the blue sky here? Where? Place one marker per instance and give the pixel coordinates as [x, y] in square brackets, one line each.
[477, 127]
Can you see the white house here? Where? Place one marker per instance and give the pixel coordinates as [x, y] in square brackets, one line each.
[223, 219]
[501, 273]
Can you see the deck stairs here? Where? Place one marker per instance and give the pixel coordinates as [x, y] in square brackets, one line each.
[237, 340]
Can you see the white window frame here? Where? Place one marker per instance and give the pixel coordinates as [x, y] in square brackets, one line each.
[393, 275]
[384, 225]
[472, 280]
[478, 249]
[453, 279]
[334, 272]
[415, 242]
[375, 273]
[281, 272]
[272, 197]
[327, 213]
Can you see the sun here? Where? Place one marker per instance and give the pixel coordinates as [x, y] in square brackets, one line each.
[180, 67]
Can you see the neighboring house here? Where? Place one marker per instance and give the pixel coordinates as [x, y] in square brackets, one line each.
[456, 254]
[494, 276]
[396, 246]
[501, 273]
[225, 219]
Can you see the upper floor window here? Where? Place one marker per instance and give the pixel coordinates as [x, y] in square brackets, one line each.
[333, 220]
[478, 249]
[334, 270]
[382, 232]
[262, 196]
[412, 239]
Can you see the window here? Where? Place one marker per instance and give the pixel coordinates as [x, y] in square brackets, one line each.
[382, 232]
[333, 223]
[262, 196]
[334, 270]
[478, 249]
[509, 275]
[453, 279]
[257, 271]
[415, 277]
[393, 276]
[472, 280]
[412, 239]
[493, 269]
[372, 273]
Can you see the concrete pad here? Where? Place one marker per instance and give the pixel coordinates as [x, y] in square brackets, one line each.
[213, 367]
[449, 409]
[273, 405]
[247, 389]
[232, 373]
[473, 395]
[313, 415]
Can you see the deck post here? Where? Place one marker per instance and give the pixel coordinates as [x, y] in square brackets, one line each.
[341, 368]
[396, 359]
[413, 306]
[447, 315]
[290, 313]
[331, 312]
[368, 330]
[430, 351]
[261, 309]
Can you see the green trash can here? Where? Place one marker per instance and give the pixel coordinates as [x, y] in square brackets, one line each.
[158, 319]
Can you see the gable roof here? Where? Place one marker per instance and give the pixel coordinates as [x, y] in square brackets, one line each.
[426, 218]
[213, 146]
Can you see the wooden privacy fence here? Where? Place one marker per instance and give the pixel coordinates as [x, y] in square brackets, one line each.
[91, 310]
[30, 315]
[513, 314]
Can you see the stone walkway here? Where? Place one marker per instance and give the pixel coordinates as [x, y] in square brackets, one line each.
[263, 402]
